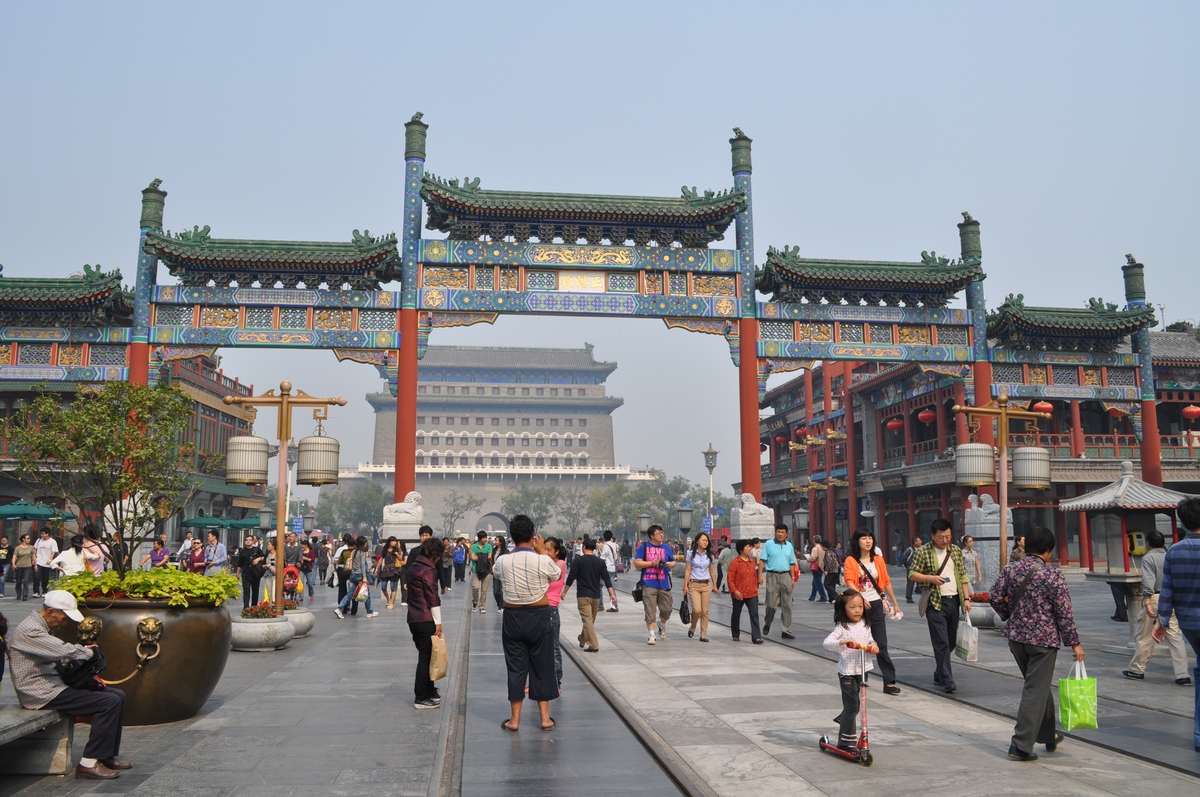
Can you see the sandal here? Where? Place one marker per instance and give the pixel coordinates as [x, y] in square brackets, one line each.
[553, 724]
[504, 724]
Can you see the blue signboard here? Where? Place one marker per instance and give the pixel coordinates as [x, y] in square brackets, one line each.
[707, 524]
[298, 525]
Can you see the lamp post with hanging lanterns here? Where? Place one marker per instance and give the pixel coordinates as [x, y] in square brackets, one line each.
[1003, 413]
[310, 456]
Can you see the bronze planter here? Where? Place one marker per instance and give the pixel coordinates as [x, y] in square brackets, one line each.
[192, 646]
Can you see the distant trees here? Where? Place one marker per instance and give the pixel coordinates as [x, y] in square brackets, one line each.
[456, 507]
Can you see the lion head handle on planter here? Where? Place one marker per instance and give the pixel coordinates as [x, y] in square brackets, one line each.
[89, 630]
[408, 511]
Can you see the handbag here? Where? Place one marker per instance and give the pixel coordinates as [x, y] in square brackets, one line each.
[685, 610]
[923, 606]
[1077, 699]
[637, 592]
[888, 609]
[967, 647]
[439, 659]
[83, 674]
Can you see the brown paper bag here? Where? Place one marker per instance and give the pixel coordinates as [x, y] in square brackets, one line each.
[439, 662]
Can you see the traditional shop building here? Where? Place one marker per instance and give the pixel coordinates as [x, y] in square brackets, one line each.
[848, 438]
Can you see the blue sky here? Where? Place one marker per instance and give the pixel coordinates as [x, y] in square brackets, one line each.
[1067, 129]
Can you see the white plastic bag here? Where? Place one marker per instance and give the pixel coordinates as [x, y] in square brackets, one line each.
[967, 648]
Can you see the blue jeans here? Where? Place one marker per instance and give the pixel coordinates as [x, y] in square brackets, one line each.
[1193, 638]
[355, 580]
[818, 587]
[3, 575]
[310, 583]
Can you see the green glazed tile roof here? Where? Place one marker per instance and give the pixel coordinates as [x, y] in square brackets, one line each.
[1097, 318]
[447, 201]
[196, 248]
[92, 289]
[791, 278]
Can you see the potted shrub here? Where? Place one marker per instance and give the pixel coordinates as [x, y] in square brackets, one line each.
[303, 621]
[120, 455]
[261, 628]
[153, 626]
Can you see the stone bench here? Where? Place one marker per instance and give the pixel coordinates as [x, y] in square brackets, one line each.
[35, 742]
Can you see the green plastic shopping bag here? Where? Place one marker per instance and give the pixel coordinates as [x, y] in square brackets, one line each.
[1077, 699]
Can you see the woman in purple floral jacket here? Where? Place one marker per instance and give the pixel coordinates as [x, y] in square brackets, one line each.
[1031, 594]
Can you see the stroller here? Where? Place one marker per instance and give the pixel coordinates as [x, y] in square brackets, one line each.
[292, 585]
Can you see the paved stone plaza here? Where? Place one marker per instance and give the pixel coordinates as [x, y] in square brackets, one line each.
[332, 715]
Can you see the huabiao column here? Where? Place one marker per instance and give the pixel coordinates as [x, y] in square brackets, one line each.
[748, 323]
[153, 203]
[1135, 297]
[406, 383]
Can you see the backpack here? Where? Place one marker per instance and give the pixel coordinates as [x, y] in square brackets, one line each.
[832, 565]
[483, 565]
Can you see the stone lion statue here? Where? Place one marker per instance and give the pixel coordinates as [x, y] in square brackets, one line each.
[753, 512]
[408, 511]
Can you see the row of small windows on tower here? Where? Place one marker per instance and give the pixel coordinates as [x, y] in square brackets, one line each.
[451, 390]
[510, 440]
[466, 421]
[495, 461]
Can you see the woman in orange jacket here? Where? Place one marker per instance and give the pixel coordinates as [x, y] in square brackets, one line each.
[866, 572]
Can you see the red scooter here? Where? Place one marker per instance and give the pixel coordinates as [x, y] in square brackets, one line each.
[861, 754]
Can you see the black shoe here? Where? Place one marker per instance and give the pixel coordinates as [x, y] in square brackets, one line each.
[1137, 676]
[786, 635]
[910, 600]
[891, 690]
[950, 688]
[766, 629]
[1184, 681]
[1052, 746]
[1020, 755]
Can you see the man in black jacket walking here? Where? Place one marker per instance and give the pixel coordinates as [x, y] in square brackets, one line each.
[589, 570]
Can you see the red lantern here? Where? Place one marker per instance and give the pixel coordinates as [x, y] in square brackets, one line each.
[926, 416]
[895, 425]
[780, 438]
[804, 433]
[762, 447]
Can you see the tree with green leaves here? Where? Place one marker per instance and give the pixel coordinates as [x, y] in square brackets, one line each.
[118, 451]
[455, 508]
[571, 505]
[537, 503]
[359, 511]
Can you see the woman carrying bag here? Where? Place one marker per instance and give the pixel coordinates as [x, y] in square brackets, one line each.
[425, 617]
[866, 573]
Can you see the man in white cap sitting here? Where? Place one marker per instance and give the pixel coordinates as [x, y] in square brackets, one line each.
[34, 652]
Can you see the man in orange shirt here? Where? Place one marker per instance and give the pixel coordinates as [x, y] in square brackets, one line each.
[742, 580]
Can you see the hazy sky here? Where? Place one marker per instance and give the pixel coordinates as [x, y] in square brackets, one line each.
[1068, 129]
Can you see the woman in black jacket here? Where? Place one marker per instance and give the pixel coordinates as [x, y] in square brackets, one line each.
[424, 616]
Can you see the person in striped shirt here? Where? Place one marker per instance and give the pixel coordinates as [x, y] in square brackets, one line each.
[1180, 593]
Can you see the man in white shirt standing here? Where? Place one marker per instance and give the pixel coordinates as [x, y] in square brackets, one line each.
[528, 635]
[610, 552]
[45, 549]
[186, 547]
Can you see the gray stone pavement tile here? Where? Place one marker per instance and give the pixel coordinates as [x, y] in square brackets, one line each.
[778, 752]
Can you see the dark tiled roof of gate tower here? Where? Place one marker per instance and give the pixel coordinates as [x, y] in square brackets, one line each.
[512, 358]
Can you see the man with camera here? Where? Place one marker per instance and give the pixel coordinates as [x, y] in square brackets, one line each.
[34, 652]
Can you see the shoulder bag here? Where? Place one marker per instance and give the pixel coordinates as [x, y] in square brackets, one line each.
[83, 674]
[923, 606]
[637, 590]
[1005, 608]
[888, 608]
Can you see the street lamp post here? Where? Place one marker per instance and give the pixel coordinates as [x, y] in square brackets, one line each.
[1003, 413]
[685, 520]
[710, 462]
[643, 522]
[285, 402]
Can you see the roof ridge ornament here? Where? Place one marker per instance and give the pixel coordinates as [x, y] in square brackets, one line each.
[198, 235]
[1098, 305]
[931, 258]
[364, 240]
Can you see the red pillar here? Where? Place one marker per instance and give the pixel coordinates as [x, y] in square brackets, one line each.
[1076, 431]
[913, 528]
[908, 435]
[1085, 536]
[1151, 444]
[851, 463]
[1060, 528]
[943, 428]
[961, 433]
[748, 407]
[139, 363]
[406, 407]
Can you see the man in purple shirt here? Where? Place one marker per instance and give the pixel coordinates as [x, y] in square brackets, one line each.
[1031, 595]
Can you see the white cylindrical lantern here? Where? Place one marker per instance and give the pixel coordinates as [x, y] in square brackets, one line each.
[246, 460]
[1031, 468]
[974, 465]
[317, 460]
